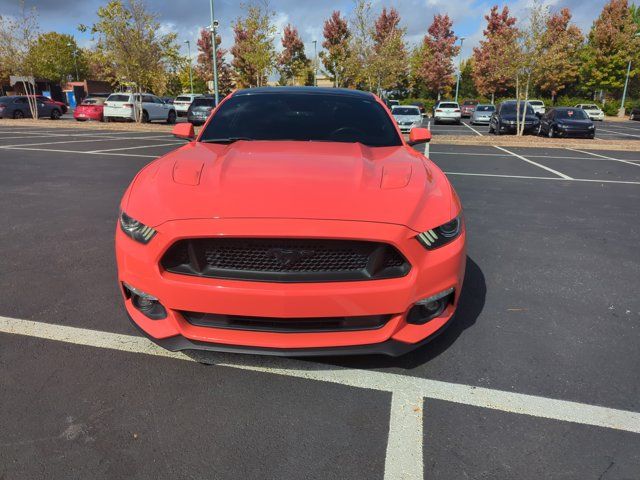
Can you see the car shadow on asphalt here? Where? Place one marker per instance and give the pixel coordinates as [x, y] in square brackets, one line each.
[470, 306]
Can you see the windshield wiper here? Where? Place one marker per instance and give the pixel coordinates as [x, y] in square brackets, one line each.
[226, 140]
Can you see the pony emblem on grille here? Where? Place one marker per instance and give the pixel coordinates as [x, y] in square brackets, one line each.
[287, 257]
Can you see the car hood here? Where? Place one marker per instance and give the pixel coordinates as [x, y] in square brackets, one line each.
[512, 117]
[306, 180]
[408, 118]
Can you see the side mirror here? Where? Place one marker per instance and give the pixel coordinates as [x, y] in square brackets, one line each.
[419, 135]
[184, 131]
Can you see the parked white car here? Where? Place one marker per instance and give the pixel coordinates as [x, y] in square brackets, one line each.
[183, 102]
[122, 106]
[407, 117]
[538, 107]
[447, 112]
[592, 110]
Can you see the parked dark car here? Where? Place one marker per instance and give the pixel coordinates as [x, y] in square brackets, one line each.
[467, 108]
[18, 107]
[200, 109]
[420, 105]
[503, 119]
[566, 122]
[635, 114]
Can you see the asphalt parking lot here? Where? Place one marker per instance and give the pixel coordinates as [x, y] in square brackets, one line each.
[537, 377]
[606, 130]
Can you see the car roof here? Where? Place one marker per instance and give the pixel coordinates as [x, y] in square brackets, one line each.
[305, 90]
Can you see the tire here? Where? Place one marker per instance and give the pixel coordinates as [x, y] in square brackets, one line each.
[106, 119]
[496, 130]
[491, 129]
[591, 136]
[145, 117]
[18, 114]
[551, 133]
[55, 114]
[171, 118]
[539, 132]
[81, 119]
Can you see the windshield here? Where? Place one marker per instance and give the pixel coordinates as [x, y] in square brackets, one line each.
[536, 103]
[590, 107]
[405, 111]
[302, 117]
[485, 108]
[93, 101]
[572, 114]
[448, 105]
[203, 102]
[510, 108]
[183, 99]
[470, 102]
[6, 100]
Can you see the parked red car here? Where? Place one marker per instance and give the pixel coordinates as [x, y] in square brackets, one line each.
[467, 108]
[61, 105]
[91, 108]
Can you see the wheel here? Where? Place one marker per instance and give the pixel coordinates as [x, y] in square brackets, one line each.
[18, 114]
[106, 119]
[491, 129]
[591, 136]
[435, 121]
[81, 119]
[551, 133]
[171, 119]
[145, 117]
[55, 114]
[539, 132]
[497, 130]
[458, 122]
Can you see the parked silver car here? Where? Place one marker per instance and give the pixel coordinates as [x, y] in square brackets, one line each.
[482, 114]
[407, 117]
[17, 106]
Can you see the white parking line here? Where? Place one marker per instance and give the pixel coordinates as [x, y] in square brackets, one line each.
[550, 157]
[587, 180]
[74, 141]
[560, 174]
[472, 129]
[404, 457]
[617, 133]
[133, 148]
[604, 157]
[81, 152]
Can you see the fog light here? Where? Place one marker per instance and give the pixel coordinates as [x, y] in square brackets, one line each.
[146, 304]
[430, 307]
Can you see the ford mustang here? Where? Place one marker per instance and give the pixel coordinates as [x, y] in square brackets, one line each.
[298, 222]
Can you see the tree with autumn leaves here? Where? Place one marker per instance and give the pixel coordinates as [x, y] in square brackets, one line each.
[336, 48]
[204, 67]
[293, 63]
[439, 50]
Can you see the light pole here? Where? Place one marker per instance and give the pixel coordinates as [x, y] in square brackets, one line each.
[315, 63]
[190, 73]
[459, 69]
[626, 83]
[75, 59]
[214, 24]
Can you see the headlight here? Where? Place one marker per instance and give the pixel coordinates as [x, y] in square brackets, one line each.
[510, 122]
[135, 229]
[591, 127]
[441, 235]
[562, 125]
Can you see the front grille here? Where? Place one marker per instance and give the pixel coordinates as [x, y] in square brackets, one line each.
[285, 260]
[286, 325]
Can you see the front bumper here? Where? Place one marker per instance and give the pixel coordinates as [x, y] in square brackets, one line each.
[432, 272]
[528, 128]
[447, 118]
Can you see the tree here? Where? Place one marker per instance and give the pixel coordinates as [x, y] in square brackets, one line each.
[559, 59]
[292, 62]
[492, 72]
[204, 67]
[128, 37]
[439, 52]
[390, 62]
[361, 68]
[336, 47]
[17, 37]
[254, 54]
[467, 87]
[612, 44]
[55, 56]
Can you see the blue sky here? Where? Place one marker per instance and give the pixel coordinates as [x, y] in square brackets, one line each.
[186, 16]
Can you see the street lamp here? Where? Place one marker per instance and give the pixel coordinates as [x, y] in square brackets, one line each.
[190, 73]
[75, 59]
[459, 69]
[315, 63]
[212, 27]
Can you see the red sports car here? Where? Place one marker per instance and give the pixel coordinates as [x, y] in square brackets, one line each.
[91, 108]
[298, 222]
